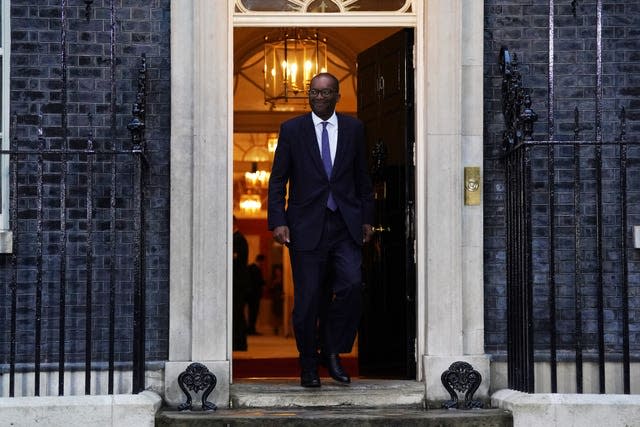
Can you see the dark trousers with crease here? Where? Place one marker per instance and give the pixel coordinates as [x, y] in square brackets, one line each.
[327, 293]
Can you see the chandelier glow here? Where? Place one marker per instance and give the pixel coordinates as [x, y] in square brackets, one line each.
[291, 58]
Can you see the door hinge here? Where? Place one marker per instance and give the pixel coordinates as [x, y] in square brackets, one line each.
[414, 153]
[413, 56]
[414, 251]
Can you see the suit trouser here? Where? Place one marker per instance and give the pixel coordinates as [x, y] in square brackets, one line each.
[327, 292]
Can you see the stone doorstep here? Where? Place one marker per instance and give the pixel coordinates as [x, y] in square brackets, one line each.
[364, 393]
[283, 402]
[336, 416]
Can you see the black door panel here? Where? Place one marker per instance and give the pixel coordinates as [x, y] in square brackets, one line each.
[385, 104]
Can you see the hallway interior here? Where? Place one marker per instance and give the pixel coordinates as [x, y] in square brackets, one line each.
[274, 356]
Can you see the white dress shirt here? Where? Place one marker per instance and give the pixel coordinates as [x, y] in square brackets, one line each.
[332, 129]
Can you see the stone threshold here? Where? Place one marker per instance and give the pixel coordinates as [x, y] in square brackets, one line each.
[365, 402]
[364, 393]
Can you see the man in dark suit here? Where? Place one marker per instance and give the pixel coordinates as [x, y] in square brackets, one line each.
[329, 211]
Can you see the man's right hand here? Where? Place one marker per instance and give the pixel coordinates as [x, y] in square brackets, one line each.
[281, 234]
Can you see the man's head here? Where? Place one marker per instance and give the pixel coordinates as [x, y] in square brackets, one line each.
[324, 93]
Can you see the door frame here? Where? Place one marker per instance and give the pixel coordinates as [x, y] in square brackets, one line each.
[355, 20]
[449, 236]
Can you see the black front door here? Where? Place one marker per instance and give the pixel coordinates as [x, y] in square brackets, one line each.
[386, 341]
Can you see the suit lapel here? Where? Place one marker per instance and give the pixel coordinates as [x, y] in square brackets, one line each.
[311, 142]
[341, 146]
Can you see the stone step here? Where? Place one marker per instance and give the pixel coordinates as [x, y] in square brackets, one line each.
[282, 402]
[336, 416]
[281, 393]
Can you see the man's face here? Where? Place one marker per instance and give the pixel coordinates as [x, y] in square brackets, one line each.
[323, 96]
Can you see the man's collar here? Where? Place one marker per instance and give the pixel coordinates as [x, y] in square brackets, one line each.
[317, 120]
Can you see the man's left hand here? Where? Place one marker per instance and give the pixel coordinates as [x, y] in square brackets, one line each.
[367, 232]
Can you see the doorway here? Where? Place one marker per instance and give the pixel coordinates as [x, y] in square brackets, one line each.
[271, 348]
[449, 236]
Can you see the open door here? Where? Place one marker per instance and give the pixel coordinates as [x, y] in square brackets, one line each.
[386, 340]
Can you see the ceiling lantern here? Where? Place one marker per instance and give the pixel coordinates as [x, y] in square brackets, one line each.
[291, 58]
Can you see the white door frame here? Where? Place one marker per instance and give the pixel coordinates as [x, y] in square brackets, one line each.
[355, 20]
[450, 312]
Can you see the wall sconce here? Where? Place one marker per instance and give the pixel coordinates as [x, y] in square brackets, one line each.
[250, 204]
[257, 179]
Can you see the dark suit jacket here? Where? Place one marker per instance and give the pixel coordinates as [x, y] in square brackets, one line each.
[298, 161]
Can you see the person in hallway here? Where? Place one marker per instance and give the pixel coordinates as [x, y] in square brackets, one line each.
[254, 293]
[240, 286]
[329, 211]
[276, 292]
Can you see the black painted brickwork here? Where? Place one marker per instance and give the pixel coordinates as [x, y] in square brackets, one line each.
[522, 26]
[143, 26]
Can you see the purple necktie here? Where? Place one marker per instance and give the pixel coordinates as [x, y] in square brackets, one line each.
[326, 161]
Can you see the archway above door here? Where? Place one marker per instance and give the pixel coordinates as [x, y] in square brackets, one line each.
[322, 6]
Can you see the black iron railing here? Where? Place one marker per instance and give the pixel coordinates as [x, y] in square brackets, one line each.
[568, 241]
[100, 284]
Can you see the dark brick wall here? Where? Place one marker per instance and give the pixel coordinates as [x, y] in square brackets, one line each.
[37, 87]
[143, 27]
[523, 26]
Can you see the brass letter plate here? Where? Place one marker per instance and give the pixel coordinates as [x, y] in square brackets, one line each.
[471, 185]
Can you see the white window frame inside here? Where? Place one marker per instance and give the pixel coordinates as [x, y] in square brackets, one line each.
[5, 50]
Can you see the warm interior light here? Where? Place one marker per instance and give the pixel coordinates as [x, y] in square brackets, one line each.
[250, 204]
[257, 179]
[272, 143]
[292, 57]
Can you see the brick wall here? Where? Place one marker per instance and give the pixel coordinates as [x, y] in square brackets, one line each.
[37, 88]
[523, 26]
[143, 27]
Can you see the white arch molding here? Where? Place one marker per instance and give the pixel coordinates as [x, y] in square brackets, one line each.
[302, 6]
[448, 61]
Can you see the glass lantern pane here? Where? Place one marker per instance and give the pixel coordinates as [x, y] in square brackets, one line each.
[275, 69]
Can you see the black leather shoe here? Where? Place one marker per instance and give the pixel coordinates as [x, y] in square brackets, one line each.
[309, 378]
[333, 365]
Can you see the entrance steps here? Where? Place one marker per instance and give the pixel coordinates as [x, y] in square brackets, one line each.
[282, 402]
[283, 393]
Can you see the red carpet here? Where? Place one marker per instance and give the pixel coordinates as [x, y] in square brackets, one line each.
[282, 367]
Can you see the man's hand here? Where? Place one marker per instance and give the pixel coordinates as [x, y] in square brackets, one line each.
[367, 232]
[281, 234]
